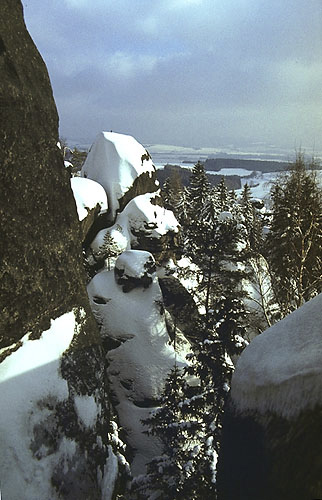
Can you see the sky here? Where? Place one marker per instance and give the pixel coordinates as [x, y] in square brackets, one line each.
[194, 73]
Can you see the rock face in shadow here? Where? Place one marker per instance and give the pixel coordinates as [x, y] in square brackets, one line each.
[39, 231]
[271, 446]
[55, 409]
[270, 457]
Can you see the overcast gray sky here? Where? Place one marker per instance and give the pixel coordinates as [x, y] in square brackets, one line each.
[200, 73]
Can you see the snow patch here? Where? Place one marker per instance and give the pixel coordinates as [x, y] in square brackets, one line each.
[87, 410]
[30, 381]
[110, 475]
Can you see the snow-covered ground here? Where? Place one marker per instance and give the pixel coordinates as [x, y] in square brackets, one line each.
[34, 447]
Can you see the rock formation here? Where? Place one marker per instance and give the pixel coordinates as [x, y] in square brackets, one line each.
[91, 202]
[128, 306]
[122, 166]
[271, 445]
[54, 406]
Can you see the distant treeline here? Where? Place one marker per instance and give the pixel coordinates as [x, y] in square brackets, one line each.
[232, 181]
[264, 166]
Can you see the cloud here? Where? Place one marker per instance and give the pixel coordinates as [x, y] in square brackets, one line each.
[184, 70]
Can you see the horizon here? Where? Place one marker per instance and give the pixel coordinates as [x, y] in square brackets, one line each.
[185, 72]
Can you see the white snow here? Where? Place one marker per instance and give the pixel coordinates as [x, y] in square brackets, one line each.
[138, 367]
[281, 369]
[110, 475]
[29, 377]
[241, 172]
[87, 410]
[87, 194]
[225, 216]
[139, 215]
[145, 216]
[115, 161]
[133, 263]
[261, 184]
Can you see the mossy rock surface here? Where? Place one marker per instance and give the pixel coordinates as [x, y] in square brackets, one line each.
[41, 274]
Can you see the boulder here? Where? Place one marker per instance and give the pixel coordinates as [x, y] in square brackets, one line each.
[133, 269]
[142, 225]
[122, 166]
[91, 201]
[55, 409]
[271, 445]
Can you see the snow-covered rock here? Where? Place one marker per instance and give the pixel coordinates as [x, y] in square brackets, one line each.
[91, 203]
[134, 268]
[281, 369]
[142, 224]
[88, 194]
[141, 357]
[122, 166]
[144, 216]
[271, 443]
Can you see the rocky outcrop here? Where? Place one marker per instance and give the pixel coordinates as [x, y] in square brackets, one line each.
[91, 202]
[127, 304]
[55, 412]
[180, 304]
[39, 232]
[271, 447]
[122, 166]
[142, 225]
[134, 269]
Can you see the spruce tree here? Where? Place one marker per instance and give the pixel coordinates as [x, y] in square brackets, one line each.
[188, 423]
[199, 188]
[294, 244]
[109, 249]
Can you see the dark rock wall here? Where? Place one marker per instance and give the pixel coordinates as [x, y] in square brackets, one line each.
[40, 275]
[41, 271]
[268, 457]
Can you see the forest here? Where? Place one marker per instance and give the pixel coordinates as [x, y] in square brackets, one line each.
[231, 242]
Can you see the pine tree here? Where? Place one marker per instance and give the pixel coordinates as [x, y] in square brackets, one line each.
[189, 426]
[253, 222]
[198, 192]
[174, 196]
[109, 249]
[294, 244]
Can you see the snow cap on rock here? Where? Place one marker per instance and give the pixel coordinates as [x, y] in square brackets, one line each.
[147, 217]
[135, 268]
[281, 369]
[87, 194]
[115, 161]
